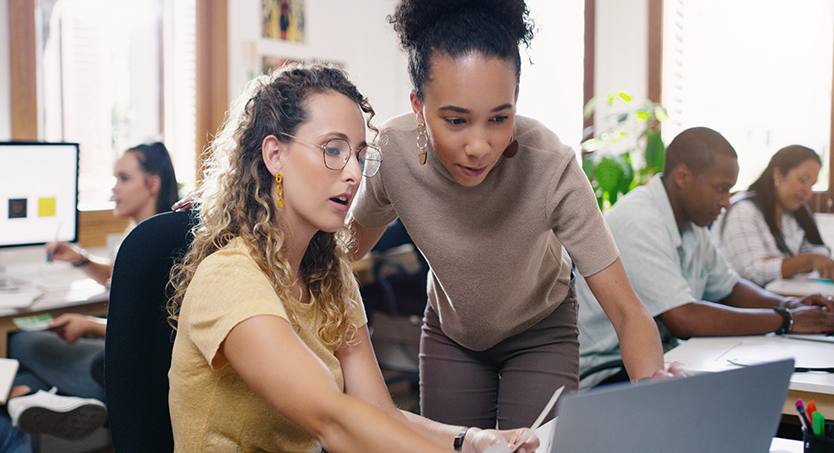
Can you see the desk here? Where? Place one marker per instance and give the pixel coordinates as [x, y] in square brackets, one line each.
[711, 354]
[799, 286]
[66, 290]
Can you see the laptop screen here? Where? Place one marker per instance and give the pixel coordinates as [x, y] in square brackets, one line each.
[729, 411]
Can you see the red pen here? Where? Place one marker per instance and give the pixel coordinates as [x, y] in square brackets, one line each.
[810, 409]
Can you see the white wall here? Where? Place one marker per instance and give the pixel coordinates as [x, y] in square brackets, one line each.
[365, 42]
[622, 37]
[5, 74]
[359, 38]
[551, 87]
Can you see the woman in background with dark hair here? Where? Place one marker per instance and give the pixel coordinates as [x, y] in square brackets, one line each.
[69, 356]
[145, 186]
[769, 231]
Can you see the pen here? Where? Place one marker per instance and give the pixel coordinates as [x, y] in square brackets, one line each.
[57, 232]
[810, 408]
[819, 424]
[803, 417]
[808, 369]
[821, 280]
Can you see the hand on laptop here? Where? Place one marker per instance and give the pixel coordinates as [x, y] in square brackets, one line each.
[812, 299]
[674, 370]
[482, 439]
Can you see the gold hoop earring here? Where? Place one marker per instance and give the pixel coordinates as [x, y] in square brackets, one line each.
[422, 142]
[512, 148]
[279, 190]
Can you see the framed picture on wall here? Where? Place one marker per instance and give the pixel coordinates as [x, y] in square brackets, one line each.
[283, 19]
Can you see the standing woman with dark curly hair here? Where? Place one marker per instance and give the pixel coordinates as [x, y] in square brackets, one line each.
[769, 231]
[501, 209]
[272, 352]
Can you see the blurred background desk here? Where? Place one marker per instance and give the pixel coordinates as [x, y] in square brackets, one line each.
[710, 354]
[61, 288]
[801, 285]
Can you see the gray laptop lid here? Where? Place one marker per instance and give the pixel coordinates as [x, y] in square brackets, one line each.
[729, 411]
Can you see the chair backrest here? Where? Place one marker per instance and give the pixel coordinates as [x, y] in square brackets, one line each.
[139, 340]
[394, 290]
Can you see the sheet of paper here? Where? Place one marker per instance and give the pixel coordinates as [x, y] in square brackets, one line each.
[23, 298]
[503, 447]
[545, 434]
[8, 370]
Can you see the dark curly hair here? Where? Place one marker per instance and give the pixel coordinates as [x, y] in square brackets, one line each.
[494, 28]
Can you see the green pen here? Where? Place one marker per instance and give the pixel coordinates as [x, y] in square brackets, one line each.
[819, 424]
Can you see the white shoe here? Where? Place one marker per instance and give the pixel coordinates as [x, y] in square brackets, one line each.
[67, 417]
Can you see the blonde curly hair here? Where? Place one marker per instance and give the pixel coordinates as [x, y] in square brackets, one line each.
[236, 200]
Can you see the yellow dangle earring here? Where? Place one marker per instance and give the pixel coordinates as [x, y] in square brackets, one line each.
[279, 190]
[422, 142]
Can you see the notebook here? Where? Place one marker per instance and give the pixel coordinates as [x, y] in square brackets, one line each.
[728, 411]
[8, 370]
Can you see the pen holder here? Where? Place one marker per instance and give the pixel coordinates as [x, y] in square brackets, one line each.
[817, 444]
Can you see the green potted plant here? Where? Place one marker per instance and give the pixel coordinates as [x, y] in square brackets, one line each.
[625, 149]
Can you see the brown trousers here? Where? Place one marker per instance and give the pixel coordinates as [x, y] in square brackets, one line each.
[505, 386]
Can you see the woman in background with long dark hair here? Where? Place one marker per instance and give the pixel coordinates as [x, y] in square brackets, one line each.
[769, 231]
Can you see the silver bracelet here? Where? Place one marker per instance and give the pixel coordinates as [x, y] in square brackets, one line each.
[84, 260]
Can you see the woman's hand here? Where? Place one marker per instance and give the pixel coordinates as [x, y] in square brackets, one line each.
[674, 370]
[187, 202]
[479, 440]
[72, 326]
[63, 251]
[823, 265]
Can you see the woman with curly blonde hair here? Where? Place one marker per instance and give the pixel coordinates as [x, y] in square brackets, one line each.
[272, 351]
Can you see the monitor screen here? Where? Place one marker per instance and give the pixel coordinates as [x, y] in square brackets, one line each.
[38, 193]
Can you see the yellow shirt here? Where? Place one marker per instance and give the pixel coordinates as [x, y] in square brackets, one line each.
[212, 408]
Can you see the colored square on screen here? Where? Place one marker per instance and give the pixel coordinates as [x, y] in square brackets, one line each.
[17, 208]
[46, 207]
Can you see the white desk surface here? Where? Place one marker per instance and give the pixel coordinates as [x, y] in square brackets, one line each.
[779, 445]
[801, 285]
[709, 354]
[59, 285]
[61, 288]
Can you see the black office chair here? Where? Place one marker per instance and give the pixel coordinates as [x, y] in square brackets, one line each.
[394, 302]
[139, 340]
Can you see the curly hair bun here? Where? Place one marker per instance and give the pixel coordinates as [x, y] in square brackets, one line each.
[412, 19]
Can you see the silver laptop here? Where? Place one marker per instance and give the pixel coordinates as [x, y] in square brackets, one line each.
[730, 411]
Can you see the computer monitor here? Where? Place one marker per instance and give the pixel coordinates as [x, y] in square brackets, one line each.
[38, 193]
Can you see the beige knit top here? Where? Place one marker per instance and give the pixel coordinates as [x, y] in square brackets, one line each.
[497, 251]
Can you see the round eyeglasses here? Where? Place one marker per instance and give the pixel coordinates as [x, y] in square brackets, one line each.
[336, 153]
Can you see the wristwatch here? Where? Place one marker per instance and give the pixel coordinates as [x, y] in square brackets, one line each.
[459, 439]
[787, 320]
